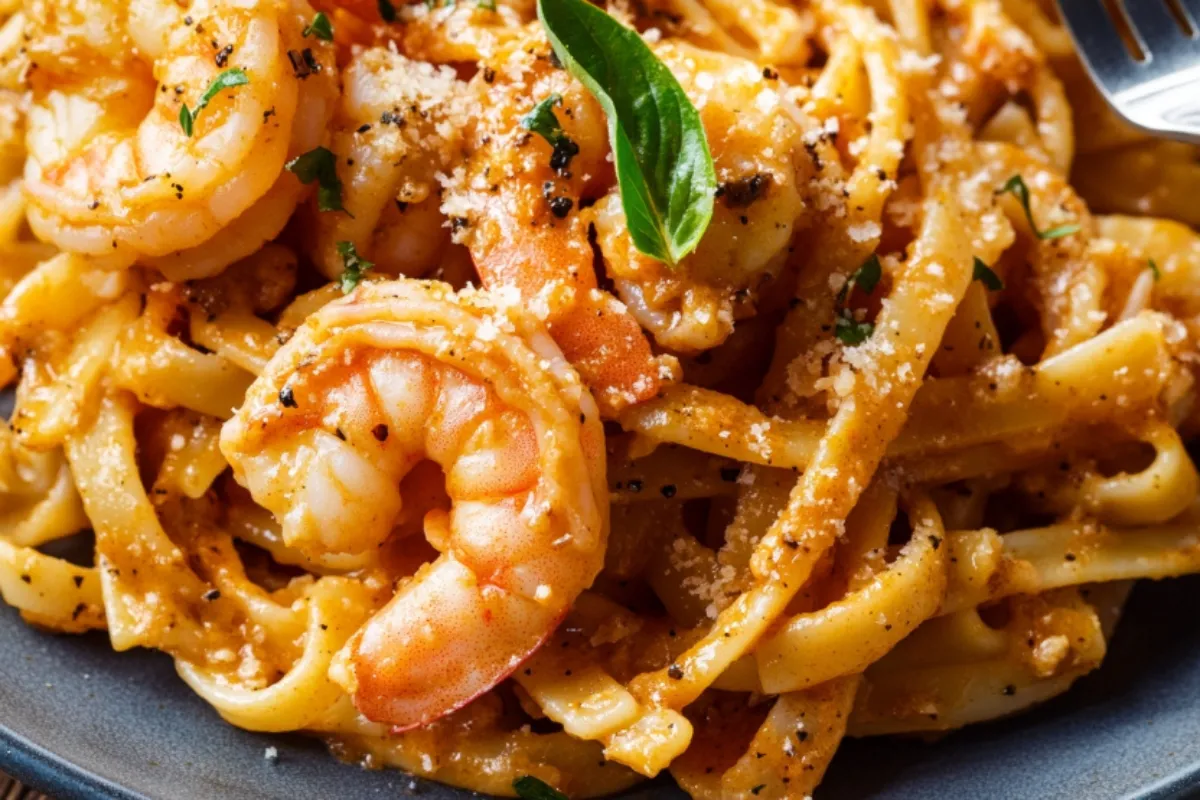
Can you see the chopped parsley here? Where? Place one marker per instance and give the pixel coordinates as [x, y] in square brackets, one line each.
[353, 266]
[542, 121]
[850, 331]
[320, 27]
[386, 10]
[985, 275]
[866, 277]
[528, 787]
[320, 165]
[1016, 187]
[1154, 270]
[226, 80]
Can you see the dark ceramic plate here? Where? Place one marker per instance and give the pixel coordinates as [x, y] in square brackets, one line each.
[79, 721]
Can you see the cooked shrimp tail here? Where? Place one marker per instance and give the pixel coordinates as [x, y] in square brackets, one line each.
[403, 372]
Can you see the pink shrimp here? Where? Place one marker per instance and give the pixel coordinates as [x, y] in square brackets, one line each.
[400, 373]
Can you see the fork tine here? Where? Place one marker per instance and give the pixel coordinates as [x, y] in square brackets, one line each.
[1152, 23]
[1096, 36]
[1192, 8]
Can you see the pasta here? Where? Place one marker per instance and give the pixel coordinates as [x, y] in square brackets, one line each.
[393, 417]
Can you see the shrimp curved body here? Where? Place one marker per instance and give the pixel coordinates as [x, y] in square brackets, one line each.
[112, 172]
[755, 142]
[404, 372]
[516, 206]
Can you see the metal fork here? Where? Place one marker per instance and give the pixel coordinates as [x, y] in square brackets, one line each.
[1158, 92]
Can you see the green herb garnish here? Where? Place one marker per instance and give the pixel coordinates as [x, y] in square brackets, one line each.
[1016, 187]
[487, 5]
[850, 330]
[1155, 271]
[353, 266]
[866, 277]
[320, 27]
[984, 274]
[664, 168]
[320, 165]
[226, 80]
[531, 788]
[386, 10]
[542, 121]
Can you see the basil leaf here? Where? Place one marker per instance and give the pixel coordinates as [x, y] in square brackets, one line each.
[984, 274]
[320, 165]
[226, 80]
[664, 168]
[186, 120]
[1016, 187]
[542, 121]
[320, 27]
[386, 10]
[866, 277]
[1155, 271]
[850, 330]
[531, 788]
[353, 266]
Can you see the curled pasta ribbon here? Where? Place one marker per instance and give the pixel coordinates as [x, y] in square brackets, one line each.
[1166, 487]
[38, 499]
[844, 638]
[986, 566]
[399, 373]
[50, 591]
[161, 370]
[958, 669]
[57, 295]
[591, 705]
[334, 609]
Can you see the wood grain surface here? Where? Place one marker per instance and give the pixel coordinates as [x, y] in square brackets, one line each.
[11, 789]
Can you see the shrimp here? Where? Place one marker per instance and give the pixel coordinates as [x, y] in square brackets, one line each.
[396, 374]
[515, 205]
[754, 141]
[111, 171]
[394, 131]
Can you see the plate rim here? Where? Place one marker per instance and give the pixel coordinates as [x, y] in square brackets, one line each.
[54, 774]
[63, 779]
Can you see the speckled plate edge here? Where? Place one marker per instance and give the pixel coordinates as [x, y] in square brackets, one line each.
[53, 774]
[64, 780]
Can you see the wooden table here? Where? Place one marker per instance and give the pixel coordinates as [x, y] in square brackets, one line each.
[12, 790]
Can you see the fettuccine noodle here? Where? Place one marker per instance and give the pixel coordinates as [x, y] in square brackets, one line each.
[416, 451]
